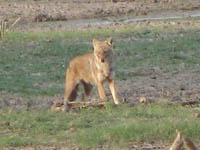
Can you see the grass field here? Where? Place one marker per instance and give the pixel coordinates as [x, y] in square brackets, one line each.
[92, 128]
[33, 65]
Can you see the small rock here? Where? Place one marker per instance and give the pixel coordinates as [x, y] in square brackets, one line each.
[182, 87]
[196, 115]
[143, 99]
[156, 1]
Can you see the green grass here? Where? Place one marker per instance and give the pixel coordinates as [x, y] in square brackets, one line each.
[90, 128]
[33, 65]
[165, 53]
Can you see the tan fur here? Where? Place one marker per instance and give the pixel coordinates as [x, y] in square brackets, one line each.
[92, 68]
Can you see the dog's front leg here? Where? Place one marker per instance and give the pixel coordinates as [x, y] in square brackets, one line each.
[113, 91]
[101, 91]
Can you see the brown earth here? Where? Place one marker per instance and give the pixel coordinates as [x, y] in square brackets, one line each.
[152, 84]
[157, 86]
[31, 11]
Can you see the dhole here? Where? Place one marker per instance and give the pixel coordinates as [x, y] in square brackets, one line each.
[92, 69]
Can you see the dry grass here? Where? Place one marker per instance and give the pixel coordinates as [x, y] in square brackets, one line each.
[3, 27]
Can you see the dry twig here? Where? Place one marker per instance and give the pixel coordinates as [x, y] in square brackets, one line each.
[58, 107]
[4, 124]
[189, 144]
[178, 142]
[14, 23]
[3, 26]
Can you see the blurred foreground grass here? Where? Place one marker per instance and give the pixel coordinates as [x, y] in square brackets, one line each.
[93, 127]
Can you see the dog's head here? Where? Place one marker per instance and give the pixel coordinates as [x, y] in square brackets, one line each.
[102, 50]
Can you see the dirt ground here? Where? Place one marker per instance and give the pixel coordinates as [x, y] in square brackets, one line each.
[31, 12]
[152, 83]
[158, 86]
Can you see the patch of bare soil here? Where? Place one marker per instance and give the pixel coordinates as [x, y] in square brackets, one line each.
[152, 84]
[157, 86]
[129, 146]
[44, 11]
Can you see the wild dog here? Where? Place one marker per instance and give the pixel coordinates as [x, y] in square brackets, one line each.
[93, 68]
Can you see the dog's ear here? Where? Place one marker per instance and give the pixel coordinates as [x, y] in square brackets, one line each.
[109, 41]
